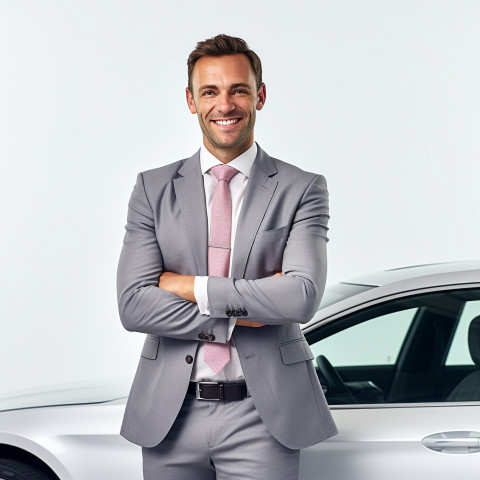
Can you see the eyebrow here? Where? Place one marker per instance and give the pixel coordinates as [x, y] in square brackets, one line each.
[234, 85]
[208, 87]
[244, 85]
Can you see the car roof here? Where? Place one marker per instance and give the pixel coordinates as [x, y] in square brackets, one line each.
[456, 269]
[362, 290]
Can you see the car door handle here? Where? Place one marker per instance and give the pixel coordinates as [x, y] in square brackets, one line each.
[453, 442]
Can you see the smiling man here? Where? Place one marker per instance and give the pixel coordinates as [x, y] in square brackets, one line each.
[224, 256]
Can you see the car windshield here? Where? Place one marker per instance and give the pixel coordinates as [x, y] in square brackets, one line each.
[339, 291]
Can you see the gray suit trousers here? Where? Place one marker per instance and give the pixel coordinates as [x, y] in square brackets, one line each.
[207, 442]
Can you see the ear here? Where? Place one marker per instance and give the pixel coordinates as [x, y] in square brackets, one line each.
[262, 95]
[190, 102]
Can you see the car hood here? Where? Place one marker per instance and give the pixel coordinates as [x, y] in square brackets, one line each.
[74, 393]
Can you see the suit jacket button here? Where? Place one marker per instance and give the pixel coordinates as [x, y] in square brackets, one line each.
[201, 336]
[228, 312]
[189, 359]
[236, 313]
[210, 337]
[244, 312]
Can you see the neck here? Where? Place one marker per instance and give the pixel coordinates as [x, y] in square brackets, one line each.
[226, 155]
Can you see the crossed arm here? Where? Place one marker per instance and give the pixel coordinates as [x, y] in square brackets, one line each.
[183, 286]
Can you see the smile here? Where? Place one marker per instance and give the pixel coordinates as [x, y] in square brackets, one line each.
[227, 122]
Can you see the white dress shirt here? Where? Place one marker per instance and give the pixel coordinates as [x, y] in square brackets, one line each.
[238, 184]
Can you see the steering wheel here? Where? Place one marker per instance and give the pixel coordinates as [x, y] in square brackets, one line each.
[336, 388]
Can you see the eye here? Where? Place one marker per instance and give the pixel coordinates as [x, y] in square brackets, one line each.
[208, 93]
[240, 91]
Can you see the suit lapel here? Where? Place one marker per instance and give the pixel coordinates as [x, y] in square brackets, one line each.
[190, 195]
[259, 192]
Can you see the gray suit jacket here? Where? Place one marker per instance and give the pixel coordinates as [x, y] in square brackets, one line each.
[282, 228]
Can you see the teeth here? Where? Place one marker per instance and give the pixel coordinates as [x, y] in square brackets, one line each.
[226, 122]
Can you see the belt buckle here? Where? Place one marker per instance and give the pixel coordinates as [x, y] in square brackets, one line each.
[198, 394]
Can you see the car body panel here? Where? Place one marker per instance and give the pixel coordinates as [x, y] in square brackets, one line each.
[78, 442]
[386, 442]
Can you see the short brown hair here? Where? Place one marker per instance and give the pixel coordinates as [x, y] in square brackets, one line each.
[224, 45]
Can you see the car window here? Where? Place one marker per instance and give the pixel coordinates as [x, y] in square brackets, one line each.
[374, 342]
[412, 349]
[459, 353]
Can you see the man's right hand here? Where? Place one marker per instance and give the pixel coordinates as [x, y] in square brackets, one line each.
[246, 323]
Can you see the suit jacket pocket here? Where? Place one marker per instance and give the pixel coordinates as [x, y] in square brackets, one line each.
[295, 351]
[150, 347]
[272, 236]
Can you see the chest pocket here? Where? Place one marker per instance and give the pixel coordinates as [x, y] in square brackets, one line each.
[272, 236]
[295, 351]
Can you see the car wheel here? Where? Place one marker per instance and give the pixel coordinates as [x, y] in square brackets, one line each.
[15, 470]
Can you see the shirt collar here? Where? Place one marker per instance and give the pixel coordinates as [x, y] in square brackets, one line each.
[243, 163]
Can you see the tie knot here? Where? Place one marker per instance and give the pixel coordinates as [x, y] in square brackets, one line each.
[224, 172]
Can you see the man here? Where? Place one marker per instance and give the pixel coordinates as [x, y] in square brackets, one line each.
[224, 255]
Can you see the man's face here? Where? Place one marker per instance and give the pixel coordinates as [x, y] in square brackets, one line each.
[225, 98]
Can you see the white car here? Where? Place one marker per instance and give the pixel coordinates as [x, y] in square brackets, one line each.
[398, 354]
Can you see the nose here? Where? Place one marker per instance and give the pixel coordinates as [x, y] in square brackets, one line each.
[224, 103]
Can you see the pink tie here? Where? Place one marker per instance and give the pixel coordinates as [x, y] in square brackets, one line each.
[217, 355]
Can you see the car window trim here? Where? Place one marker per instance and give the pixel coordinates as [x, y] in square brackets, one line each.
[388, 297]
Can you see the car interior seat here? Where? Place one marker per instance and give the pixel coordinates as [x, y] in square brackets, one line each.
[469, 387]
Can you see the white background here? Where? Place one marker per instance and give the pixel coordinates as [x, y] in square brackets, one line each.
[382, 97]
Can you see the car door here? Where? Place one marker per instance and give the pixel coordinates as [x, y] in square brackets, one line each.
[399, 361]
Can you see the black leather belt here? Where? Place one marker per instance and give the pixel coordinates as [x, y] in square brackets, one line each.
[218, 391]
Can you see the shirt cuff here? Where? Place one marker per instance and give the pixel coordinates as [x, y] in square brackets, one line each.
[201, 294]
